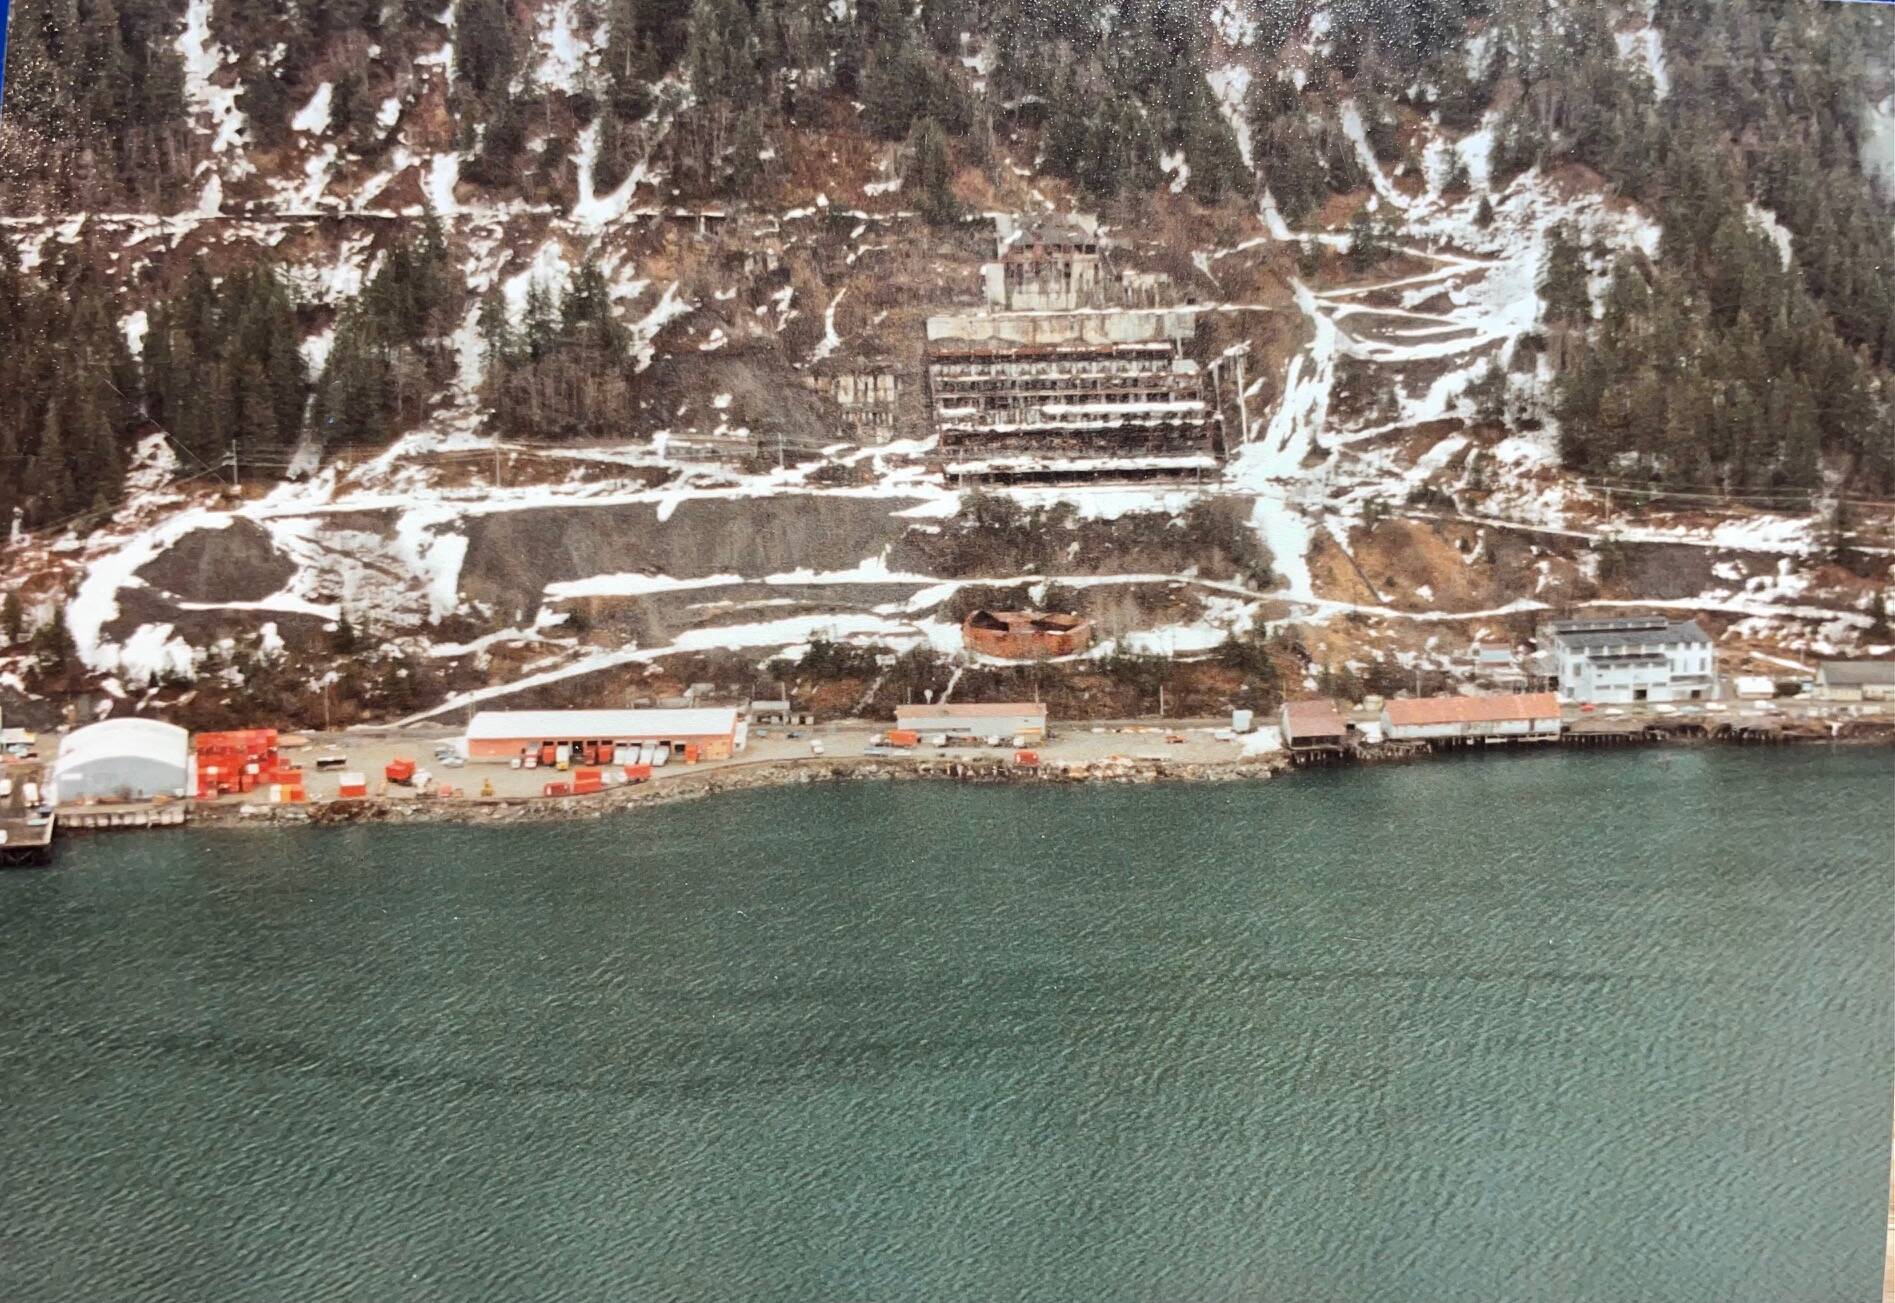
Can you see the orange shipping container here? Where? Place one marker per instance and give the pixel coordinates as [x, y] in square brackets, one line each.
[606, 751]
[638, 773]
[903, 737]
[549, 754]
[588, 775]
[1026, 757]
[690, 753]
[400, 770]
[587, 786]
[558, 789]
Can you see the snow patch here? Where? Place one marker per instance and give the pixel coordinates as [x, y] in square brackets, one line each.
[1230, 85]
[1234, 22]
[1775, 229]
[1645, 46]
[313, 117]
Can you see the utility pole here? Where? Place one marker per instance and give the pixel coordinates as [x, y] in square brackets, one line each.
[1243, 405]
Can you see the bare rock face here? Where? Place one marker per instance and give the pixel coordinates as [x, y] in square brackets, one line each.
[512, 556]
[237, 564]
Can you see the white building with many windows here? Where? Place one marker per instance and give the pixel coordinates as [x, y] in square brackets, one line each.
[1638, 658]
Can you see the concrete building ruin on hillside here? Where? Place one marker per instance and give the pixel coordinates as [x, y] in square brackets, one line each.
[867, 393]
[1069, 372]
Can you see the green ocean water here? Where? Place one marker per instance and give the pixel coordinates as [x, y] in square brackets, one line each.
[1609, 1026]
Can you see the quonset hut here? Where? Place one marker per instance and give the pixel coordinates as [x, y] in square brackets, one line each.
[122, 760]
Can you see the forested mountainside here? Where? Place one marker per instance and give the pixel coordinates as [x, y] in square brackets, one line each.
[1650, 242]
[1773, 370]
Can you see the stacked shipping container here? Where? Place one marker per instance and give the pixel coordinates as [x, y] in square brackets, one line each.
[243, 761]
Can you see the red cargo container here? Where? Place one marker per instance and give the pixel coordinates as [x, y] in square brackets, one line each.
[606, 751]
[1026, 757]
[903, 737]
[353, 787]
[638, 773]
[690, 753]
[558, 789]
[587, 775]
[400, 770]
[587, 787]
[549, 754]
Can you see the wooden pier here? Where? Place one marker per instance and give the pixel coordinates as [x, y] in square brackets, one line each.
[94, 817]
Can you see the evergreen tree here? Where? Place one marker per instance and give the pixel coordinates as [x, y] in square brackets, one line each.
[931, 173]
[484, 55]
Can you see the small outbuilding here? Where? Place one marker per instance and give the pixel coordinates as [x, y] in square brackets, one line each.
[122, 760]
[976, 720]
[1856, 681]
[1312, 726]
[1513, 717]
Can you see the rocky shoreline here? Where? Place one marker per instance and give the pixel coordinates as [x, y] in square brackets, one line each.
[718, 782]
[795, 772]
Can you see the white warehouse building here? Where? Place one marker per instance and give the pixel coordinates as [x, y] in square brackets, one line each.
[1635, 659]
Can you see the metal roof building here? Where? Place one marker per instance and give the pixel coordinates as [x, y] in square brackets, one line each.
[717, 732]
[1517, 715]
[1856, 680]
[123, 760]
[982, 719]
[1313, 726]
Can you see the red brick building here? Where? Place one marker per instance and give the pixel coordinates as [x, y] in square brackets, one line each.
[1025, 635]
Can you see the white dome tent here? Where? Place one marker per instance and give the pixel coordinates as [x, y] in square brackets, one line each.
[124, 760]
